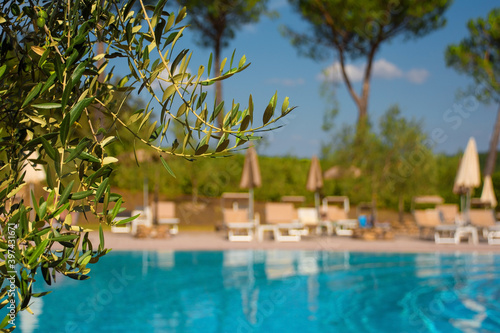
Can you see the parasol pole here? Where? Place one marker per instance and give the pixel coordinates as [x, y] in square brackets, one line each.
[317, 202]
[250, 204]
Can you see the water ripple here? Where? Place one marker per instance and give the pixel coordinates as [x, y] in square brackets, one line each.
[276, 291]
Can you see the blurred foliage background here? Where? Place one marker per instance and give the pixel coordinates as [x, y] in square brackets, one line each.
[287, 175]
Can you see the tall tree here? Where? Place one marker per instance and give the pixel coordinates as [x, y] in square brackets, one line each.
[357, 29]
[406, 161]
[399, 166]
[217, 22]
[478, 55]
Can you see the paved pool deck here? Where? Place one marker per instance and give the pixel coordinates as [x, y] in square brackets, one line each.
[216, 241]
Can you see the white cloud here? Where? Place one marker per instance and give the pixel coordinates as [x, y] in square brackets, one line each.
[334, 73]
[417, 76]
[386, 70]
[382, 69]
[288, 82]
[250, 28]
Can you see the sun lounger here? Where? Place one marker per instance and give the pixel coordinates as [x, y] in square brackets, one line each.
[450, 213]
[166, 216]
[342, 224]
[484, 220]
[335, 218]
[308, 217]
[234, 200]
[450, 216]
[123, 228]
[430, 219]
[142, 223]
[282, 221]
[239, 228]
[466, 231]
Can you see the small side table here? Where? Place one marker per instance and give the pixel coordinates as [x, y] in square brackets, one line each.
[262, 228]
[466, 231]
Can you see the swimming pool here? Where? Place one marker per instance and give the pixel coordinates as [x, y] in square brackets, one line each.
[275, 291]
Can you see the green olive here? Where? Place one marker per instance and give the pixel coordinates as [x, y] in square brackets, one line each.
[40, 22]
[42, 13]
[15, 9]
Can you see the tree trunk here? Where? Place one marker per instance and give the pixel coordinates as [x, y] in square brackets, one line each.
[361, 101]
[362, 125]
[362, 129]
[492, 154]
[365, 94]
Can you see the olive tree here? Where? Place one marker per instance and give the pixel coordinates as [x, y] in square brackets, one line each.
[58, 110]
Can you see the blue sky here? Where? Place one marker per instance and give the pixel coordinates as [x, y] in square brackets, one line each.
[411, 74]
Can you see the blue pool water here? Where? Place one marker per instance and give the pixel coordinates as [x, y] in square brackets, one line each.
[274, 291]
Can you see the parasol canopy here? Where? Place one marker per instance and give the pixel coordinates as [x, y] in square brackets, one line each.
[315, 181]
[488, 194]
[468, 174]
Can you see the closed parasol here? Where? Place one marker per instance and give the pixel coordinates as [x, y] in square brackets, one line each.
[250, 177]
[468, 175]
[315, 181]
[488, 194]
